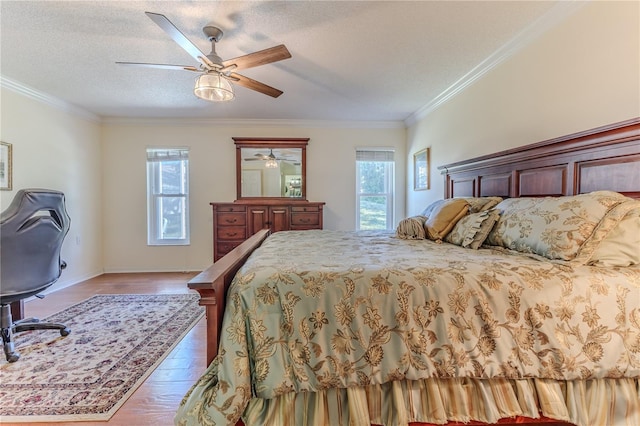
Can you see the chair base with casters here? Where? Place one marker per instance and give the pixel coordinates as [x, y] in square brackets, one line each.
[9, 327]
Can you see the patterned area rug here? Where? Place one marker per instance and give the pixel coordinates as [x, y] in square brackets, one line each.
[116, 342]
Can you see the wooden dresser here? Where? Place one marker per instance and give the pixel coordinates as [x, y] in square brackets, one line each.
[235, 222]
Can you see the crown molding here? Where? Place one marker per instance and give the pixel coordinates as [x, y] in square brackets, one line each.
[239, 122]
[558, 13]
[29, 92]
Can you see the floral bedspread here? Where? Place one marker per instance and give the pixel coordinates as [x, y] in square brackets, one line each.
[315, 310]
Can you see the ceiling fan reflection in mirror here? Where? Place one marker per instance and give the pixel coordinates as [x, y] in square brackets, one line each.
[215, 82]
[271, 159]
[271, 156]
[261, 156]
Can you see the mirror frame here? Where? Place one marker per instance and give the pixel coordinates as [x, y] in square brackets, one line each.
[243, 142]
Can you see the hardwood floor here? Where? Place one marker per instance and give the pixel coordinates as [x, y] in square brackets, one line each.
[156, 400]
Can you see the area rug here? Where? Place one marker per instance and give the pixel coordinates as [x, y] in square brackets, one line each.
[116, 342]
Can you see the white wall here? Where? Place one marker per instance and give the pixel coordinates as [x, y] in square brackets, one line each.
[59, 150]
[582, 74]
[330, 178]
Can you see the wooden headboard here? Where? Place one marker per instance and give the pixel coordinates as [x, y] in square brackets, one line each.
[607, 157]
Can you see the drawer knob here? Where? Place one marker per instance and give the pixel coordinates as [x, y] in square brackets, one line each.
[232, 234]
[234, 220]
[305, 220]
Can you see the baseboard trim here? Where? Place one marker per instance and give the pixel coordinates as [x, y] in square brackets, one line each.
[149, 271]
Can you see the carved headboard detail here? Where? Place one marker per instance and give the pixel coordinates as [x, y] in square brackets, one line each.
[607, 157]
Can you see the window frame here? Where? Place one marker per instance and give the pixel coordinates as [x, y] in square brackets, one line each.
[377, 154]
[155, 196]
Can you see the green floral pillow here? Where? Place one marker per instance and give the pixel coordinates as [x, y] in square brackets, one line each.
[473, 229]
[557, 227]
[616, 241]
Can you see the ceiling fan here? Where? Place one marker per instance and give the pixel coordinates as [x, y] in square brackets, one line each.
[271, 161]
[214, 82]
[265, 157]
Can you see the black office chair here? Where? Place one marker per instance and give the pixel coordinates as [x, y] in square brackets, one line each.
[32, 230]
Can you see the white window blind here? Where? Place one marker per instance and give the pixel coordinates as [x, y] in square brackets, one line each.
[374, 155]
[167, 154]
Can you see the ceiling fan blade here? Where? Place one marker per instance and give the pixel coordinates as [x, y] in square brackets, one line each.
[252, 84]
[262, 57]
[160, 66]
[177, 36]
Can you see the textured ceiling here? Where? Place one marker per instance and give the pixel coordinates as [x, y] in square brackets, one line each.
[362, 60]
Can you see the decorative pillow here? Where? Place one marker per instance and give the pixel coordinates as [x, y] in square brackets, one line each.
[411, 228]
[444, 217]
[621, 247]
[427, 211]
[557, 227]
[473, 229]
[476, 204]
[479, 204]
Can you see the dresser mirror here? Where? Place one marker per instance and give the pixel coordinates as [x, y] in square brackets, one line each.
[271, 168]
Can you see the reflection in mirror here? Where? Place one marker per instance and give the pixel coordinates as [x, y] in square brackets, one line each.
[271, 168]
[271, 172]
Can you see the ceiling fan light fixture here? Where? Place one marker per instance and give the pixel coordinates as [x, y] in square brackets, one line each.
[214, 88]
[271, 163]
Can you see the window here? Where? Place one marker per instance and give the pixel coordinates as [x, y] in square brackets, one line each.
[374, 188]
[167, 196]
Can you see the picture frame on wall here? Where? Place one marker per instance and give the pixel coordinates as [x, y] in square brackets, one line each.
[421, 170]
[5, 166]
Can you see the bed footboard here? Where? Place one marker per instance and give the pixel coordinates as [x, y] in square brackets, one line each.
[213, 282]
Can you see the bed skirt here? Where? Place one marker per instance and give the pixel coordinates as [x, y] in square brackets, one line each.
[437, 401]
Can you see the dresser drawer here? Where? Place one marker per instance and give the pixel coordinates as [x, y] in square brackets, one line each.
[305, 219]
[231, 219]
[231, 232]
[231, 208]
[296, 209]
[224, 247]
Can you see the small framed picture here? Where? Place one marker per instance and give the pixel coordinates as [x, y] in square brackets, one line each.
[5, 166]
[421, 173]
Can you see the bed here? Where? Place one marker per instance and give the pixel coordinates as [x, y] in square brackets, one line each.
[337, 328]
